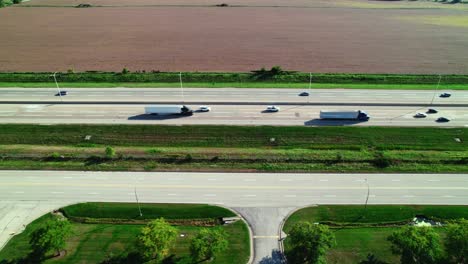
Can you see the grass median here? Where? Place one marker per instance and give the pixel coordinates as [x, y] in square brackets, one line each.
[360, 230]
[233, 148]
[94, 243]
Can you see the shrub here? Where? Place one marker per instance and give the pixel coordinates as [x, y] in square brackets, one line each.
[110, 152]
[125, 71]
[381, 161]
[17, 1]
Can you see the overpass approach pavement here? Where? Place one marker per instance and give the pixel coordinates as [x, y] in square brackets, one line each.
[264, 199]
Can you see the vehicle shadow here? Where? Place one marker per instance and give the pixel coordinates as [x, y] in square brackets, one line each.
[155, 117]
[321, 122]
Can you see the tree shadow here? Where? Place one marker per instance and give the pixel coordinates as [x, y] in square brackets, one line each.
[276, 257]
[132, 257]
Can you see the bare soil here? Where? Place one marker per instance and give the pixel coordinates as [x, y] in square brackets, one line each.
[317, 39]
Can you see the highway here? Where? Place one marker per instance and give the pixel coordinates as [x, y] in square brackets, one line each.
[225, 115]
[263, 199]
[233, 95]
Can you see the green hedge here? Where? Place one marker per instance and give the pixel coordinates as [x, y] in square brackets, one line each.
[150, 211]
[199, 77]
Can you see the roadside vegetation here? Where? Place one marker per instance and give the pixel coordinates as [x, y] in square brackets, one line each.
[377, 234]
[272, 78]
[113, 238]
[5, 3]
[233, 148]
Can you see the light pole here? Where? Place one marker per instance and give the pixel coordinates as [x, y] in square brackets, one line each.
[368, 193]
[56, 84]
[310, 86]
[138, 203]
[181, 86]
[435, 91]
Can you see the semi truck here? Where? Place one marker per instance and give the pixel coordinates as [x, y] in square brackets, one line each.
[345, 115]
[168, 110]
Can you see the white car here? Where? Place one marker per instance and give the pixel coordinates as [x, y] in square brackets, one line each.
[272, 108]
[204, 108]
[420, 115]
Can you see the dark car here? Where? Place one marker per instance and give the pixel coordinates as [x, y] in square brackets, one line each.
[62, 93]
[445, 95]
[443, 119]
[431, 111]
[304, 94]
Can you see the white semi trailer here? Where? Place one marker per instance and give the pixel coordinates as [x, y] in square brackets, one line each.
[168, 110]
[345, 115]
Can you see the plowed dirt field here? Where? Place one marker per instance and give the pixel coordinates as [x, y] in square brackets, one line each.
[147, 35]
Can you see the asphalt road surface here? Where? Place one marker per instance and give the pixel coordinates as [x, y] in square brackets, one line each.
[226, 115]
[23, 192]
[232, 95]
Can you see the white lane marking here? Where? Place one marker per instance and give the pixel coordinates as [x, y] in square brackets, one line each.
[212, 179]
[433, 180]
[209, 195]
[408, 196]
[57, 192]
[448, 196]
[289, 195]
[396, 180]
[250, 195]
[360, 180]
[372, 196]
[323, 180]
[174, 179]
[18, 192]
[329, 195]
[172, 194]
[68, 177]
[93, 193]
[288, 180]
[131, 194]
[250, 180]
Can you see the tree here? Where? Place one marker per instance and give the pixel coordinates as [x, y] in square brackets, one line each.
[456, 241]
[17, 1]
[52, 236]
[156, 238]
[208, 243]
[110, 152]
[309, 243]
[416, 245]
[2, 3]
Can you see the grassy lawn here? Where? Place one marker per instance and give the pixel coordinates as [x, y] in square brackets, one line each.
[355, 243]
[229, 148]
[93, 243]
[236, 85]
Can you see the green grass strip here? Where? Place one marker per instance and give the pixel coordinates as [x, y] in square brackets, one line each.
[236, 85]
[375, 214]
